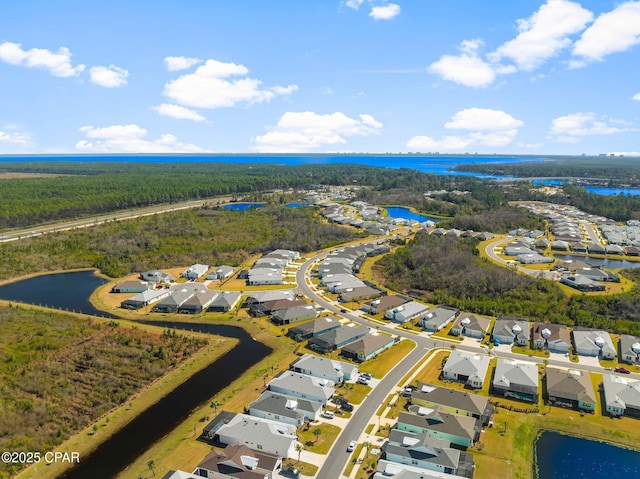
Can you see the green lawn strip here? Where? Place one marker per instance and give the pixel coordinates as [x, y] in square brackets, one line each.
[354, 393]
[368, 466]
[384, 405]
[387, 359]
[352, 461]
[369, 428]
[305, 468]
[323, 442]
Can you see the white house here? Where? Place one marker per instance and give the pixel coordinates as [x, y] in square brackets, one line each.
[468, 368]
[259, 434]
[195, 271]
[407, 312]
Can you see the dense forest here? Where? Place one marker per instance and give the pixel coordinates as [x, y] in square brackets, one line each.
[59, 373]
[206, 235]
[449, 271]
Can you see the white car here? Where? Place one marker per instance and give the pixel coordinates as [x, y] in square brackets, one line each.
[328, 414]
[352, 445]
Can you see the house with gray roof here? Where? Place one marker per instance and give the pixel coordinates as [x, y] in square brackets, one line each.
[302, 386]
[156, 276]
[270, 307]
[571, 388]
[467, 368]
[597, 274]
[629, 349]
[265, 296]
[222, 272]
[264, 435]
[393, 470]
[516, 379]
[509, 330]
[453, 401]
[517, 249]
[309, 329]
[195, 271]
[459, 430]
[595, 248]
[581, 283]
[407, 312]
[294, 314]
[338, 338]
[359, 294]
[383, 304]
[534, 258]
[422, 450]
[346, 286]
[324, 368]
[471, 325]
[145, 298]
[287, 409]
[225, 301]
[198, 302]
[593, 342]
[437, 318]
[171, 303]
[368, 347]
[238, 462]
[621, 395]
[131, 286]
[554, 337]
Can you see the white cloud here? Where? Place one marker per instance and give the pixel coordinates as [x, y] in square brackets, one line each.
[615, 31]
[544, 34]
[355, 4]
[570, 128]
[385, 12]
[467, 68]
[109, 77]
[486, 127]
[180, 63]
[130, 139]
[636, 97]
[16, 138]
[57, 63]
[179, 112]
[307, 131]
[212, 86]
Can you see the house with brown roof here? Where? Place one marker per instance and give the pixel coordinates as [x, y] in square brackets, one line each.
[368, 346]
[239, 462]
[570, 388]
[471, 325]
[554, 337]
[383, 304]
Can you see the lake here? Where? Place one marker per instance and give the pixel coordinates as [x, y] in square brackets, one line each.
[605, 263]
[242, 206]
[407, 214]
[567, 457]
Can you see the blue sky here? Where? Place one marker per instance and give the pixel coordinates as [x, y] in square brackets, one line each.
[247, 76]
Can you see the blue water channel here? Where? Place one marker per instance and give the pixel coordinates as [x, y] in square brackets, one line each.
[604, 263]
[407, 214]
[567, 457]
[242, 206]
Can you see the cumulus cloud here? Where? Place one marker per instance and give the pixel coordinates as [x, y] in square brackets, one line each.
[15, 138]
[485, 127]
[178, 112]
[385, 12]
[180, 63]
[636, 97]
[57, 63]
[217, 84]
[570, 128]
[109, 77]
[355, 4]
[544, 34]
[615, 31]
[307, 131]
[130, 139]
[467, 68]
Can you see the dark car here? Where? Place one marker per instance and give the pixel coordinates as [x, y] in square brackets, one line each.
[290, 471]
[622, 370]
[345, 406]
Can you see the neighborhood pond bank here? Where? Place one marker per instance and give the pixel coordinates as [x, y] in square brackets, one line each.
[127, 444]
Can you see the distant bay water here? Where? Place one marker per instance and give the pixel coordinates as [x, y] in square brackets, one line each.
[442, 165]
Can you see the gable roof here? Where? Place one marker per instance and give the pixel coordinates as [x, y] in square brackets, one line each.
[621, 392]
[368, 344]
[240, 462]
[476, 322]
[435, 419]
[510, 373]
[467, 364]
[472, 403]
[315, 326]
[558, 332]
[570, 384]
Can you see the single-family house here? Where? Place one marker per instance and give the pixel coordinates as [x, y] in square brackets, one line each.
[222, 272]
[359, 294]
[198, 302]
[422, 450]
[368, 346]
[554, 337]
[471, 325]
[517, 249]
[294, 314]
[265, 296]
[145, 298]
[264, 435]
[595, 248]
[313, 328]
[453, 401]
[302, 386]
[156, 276]
[621, 395]
[581, 283]
[559, 245]
[238, 462]
[270, 307]
[195, 271]
[516, 379]
[509, 330]
[597, 274]
[407, 312]
[287, 409]
[570, 388]
[459, 430]
[629, 349]
[131, 286]
[534, 258]
[383, 304]
[467, 368]
[394, 470]
[264, 276]
[225, 301]
[324, 368]
[171, 303]
[437, 318]
[338, 338]
[593, 342]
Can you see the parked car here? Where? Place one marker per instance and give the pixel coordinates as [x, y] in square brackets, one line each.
[345, 406]
[622, 370]
[352, 445]
[362, 380]
[366, 376]
[328, 414]
[290, 471]
[407, 390]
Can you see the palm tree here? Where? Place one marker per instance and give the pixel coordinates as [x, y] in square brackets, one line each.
[367, 446]
[214, 405]
[151, 464]
[299, 449]
[316, 432]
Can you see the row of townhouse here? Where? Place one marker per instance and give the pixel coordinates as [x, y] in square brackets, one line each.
[270, 268]
[187, 298]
